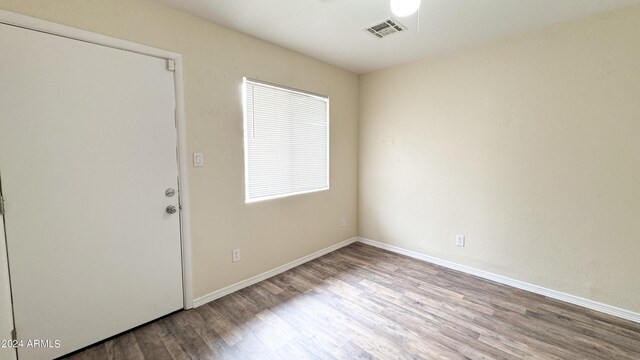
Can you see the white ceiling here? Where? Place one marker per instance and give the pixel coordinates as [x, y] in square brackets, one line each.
[332, 30]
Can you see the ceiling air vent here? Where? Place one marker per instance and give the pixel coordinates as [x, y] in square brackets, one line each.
[386, 28]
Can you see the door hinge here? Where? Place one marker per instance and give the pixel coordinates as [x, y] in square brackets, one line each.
[171, 65]
[1, 205]
[14, 334]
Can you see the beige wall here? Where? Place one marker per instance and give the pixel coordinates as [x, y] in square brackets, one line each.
[529, 146]
[269, 233]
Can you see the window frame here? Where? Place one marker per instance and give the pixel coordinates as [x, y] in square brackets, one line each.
[245, 131]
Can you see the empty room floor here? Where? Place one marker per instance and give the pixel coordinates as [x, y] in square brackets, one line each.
[361, 302]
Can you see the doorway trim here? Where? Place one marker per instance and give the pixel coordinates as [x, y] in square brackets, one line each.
[31, 23]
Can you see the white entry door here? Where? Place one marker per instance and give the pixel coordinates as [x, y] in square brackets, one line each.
[87, 152]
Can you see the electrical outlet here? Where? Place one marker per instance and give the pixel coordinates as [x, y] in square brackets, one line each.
[235, 255]
[343, 222]
[198, 160]
[459, 240]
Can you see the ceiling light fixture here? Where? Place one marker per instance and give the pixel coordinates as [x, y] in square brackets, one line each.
[404, 7]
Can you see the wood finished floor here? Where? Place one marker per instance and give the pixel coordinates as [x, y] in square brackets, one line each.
[361, 302]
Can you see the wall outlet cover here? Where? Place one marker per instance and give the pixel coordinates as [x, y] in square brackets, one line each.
[198, 160]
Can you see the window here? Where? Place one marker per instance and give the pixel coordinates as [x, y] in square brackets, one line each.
[286, 141]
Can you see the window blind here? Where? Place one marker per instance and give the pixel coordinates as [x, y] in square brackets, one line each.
[286, 135]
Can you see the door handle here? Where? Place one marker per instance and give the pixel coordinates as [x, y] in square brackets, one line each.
[171, 209]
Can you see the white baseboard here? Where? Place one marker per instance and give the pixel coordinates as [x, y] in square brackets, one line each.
[572, 299]
[256, 279]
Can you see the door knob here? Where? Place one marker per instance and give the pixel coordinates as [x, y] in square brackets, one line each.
[171, 209]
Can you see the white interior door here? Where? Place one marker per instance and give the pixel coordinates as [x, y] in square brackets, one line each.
[6, 317]
[87, 150]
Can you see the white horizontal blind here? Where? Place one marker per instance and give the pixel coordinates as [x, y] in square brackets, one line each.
[286, 136]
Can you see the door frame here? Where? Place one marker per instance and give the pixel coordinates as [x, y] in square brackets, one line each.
[35, 24]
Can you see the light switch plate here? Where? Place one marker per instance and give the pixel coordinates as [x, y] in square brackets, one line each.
[198, 160]
[459, 240]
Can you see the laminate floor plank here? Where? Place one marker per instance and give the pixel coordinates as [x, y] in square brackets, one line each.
[95, 352]
[124, 347]
[361, 302]
[151, 346]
